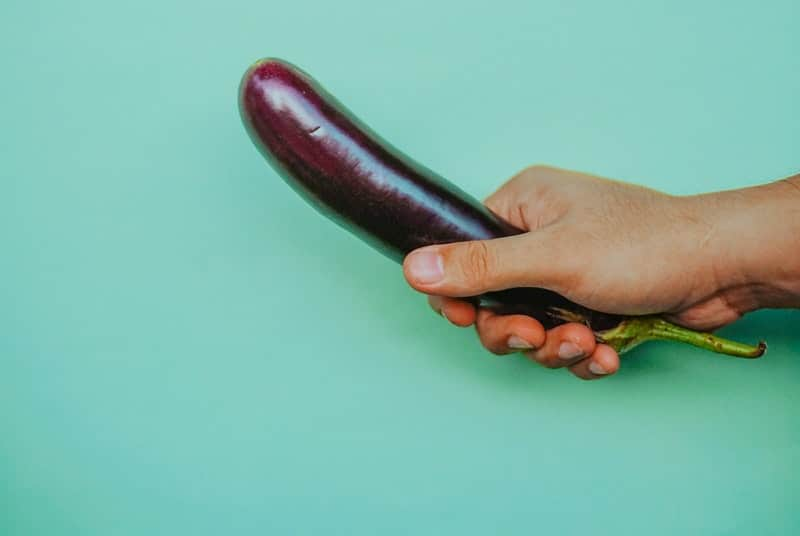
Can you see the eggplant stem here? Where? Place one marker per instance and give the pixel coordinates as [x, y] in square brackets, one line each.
[634, 331]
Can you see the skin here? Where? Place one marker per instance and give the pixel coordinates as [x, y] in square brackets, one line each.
[703, 261]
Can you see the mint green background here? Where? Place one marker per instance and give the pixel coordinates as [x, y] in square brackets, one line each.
[187, 348]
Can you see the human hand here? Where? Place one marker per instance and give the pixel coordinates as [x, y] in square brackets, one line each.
[607, 245]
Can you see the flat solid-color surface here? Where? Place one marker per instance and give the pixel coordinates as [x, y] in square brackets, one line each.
[187, 348]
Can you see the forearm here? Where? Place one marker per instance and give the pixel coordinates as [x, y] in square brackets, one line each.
[755, 241]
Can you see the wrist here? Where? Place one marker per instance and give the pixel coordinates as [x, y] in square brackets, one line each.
[755, 243]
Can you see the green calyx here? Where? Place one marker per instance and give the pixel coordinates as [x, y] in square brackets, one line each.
[634, 331]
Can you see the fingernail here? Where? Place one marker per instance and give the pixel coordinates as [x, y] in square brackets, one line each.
[444, 315]
[518, 343]
[569, 350]
[426, 267]
[597, 368]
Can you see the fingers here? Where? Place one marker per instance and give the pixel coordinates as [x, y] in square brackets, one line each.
[565, 345]
[458, 312]
[475, 267]
[504, 334]
[571, 345]
[603, 362]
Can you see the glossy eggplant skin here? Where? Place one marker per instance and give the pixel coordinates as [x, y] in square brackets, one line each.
[351, 175]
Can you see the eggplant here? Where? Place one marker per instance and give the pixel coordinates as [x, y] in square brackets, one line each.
[364, 184]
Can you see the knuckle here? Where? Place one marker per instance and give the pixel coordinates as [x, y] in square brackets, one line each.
[539, 173]
[541, 191]
[477, 262]
[538, 169]
[526, 176]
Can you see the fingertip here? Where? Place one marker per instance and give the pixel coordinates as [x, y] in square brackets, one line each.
[423, 268]
[528, 329]
[604, 361]
[578, 336]
[458, 312]
[565, 345]
[505, 334]
[436, 304]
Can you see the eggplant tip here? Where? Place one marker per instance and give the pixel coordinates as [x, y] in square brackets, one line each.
[254, 66]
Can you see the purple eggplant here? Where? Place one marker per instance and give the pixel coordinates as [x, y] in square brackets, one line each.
[352, 176]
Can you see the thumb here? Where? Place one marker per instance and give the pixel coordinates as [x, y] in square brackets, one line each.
[470, 268]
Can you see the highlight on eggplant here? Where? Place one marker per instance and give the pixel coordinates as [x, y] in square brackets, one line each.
[361, 182]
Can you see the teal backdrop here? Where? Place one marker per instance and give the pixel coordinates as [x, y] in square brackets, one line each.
[187, 348]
